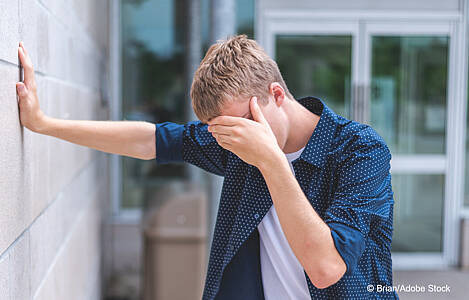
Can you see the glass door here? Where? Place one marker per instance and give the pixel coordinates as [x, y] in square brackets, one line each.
[318, 65]
[393, 75]
[316, 58]
[408, 108]
[407, 67]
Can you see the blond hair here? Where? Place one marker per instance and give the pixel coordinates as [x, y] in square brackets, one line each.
[231, 68]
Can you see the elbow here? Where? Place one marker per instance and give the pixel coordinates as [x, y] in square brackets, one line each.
[145, 151]
[145, 148]
[147, 156]
[327, 274]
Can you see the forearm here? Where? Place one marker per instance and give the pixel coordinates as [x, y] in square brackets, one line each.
[130, 138]
[308, 235]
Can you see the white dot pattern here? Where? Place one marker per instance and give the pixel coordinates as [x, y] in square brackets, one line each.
[344, 173]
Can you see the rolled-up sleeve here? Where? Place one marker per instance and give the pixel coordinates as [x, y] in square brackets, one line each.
[362, 200]
[168, 137]
[191, 143]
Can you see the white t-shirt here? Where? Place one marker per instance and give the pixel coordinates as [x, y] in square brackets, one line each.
[283, 276]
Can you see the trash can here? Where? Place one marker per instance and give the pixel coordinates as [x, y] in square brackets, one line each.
[175, 243]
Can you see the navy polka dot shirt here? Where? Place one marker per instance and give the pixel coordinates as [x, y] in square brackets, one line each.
[344, 172]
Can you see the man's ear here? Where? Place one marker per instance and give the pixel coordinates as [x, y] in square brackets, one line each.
[276, 90]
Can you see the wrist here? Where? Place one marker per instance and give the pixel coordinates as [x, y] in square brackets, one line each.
[272, 160]
[42, 123]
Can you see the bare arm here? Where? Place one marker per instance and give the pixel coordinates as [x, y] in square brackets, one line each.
[307, 234]
[129, 138]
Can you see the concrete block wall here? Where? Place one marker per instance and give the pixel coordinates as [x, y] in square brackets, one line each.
[53, 194]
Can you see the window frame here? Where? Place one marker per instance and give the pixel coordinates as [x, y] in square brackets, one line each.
[454, 24]
[118, 213]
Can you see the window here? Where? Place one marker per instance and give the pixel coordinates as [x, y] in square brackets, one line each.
[152, 41]
[153, 80]
[317, 65]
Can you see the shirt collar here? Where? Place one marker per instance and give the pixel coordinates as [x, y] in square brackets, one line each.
[320, 141]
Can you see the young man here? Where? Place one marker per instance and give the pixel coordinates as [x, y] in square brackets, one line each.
[306, 209]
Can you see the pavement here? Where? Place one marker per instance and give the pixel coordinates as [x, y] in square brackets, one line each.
[429, 284]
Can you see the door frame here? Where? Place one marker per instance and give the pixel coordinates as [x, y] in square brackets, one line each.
[361, 25]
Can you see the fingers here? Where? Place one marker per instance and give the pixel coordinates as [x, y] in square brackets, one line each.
[24, 49]
[256, 111]
[222, 129]
[223, 140]
[224, 135]
[226, 120]
[27, 65]
[21, 89]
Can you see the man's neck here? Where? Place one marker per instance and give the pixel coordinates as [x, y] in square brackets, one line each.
[302, 123]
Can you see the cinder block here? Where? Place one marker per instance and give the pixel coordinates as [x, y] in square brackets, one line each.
[48, 96]
[14, 198]
[59, 10]
[85, 11]
[89, 229]
[50, 230]
[40, 185]
[66, 159]
[35, 167]
[28, 28]
[19, 268]
[34, 32]
[59, 64]
[40, 170]
[42, 40]
[5, 276]
[52, 190]
[46, 238]
[76, 268]
[100, 24]
[9, 29]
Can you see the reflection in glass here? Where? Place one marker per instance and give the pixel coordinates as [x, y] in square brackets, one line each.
[244, 20]
[317, 66]
[152, 84]
[245, 17]
[408, 92]
[418, 213]
[153, 79]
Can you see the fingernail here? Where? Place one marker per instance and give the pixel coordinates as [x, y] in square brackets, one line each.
[255, 99]
[20, 88]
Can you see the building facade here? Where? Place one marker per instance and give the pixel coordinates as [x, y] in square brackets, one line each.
[400, 66]
[53, 194]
